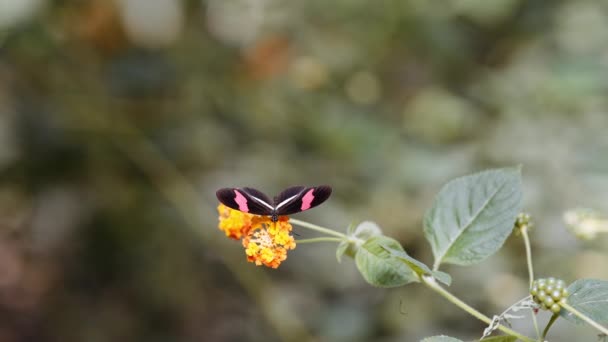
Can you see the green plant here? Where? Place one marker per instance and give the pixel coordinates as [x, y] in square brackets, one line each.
[470, 220]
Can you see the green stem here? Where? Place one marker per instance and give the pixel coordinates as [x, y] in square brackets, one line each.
[535, 322]
[524, 233]
[582, 316]
[319, 239]
[430, 282]
[526, 237]
[549, 324]
[317, 228]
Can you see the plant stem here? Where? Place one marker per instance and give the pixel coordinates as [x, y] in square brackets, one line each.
[582, 316]
[535, 322]
[524, 233]
[549, 324]
[317, 228]
[430, 282]
[319, 239]
[526, 237]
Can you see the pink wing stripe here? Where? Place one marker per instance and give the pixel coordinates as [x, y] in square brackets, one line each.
[307, 200]
[241, 201]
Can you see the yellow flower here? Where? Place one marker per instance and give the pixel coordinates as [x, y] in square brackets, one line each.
[233, 222]
[266, 242]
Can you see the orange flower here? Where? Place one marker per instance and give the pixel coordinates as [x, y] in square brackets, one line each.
[233, 222]
[266, 242]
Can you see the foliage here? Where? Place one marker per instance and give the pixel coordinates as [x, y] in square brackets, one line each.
[589, 297]
[120, 119]
[469, 221]
[473, 216]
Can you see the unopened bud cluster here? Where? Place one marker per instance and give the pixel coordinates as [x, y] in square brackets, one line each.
[523, 219]
[549, 293]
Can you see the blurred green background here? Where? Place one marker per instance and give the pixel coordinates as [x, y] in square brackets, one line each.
[120, 119]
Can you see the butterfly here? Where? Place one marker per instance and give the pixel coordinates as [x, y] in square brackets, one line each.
[290, 201]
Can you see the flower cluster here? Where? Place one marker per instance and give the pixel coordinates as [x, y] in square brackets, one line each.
[549, 293]
[522, 222]
[266, 242]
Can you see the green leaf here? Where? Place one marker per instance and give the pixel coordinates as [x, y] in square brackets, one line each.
[590, 297]
[356, 237]
[417, 266]
[442, 277]
[441, 338]
[501, 338]
[472, 216]
[379, 267]
[342, 247]
[414, 264]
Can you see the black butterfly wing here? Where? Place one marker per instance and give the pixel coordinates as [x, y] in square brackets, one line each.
[298, 198]
[247, 200]
[227, 196]
[260, 204]
[288, 194]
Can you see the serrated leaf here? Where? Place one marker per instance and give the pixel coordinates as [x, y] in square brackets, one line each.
[472, 216]
[442, 277]
[361, 233]
[441, 338]
[501, 338]
[379, 267]
[590, 297]
[417, 266]
[342, 247]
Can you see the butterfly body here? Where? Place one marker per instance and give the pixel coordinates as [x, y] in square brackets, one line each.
[290, 201]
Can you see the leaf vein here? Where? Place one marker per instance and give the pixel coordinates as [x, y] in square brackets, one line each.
[471, 220]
